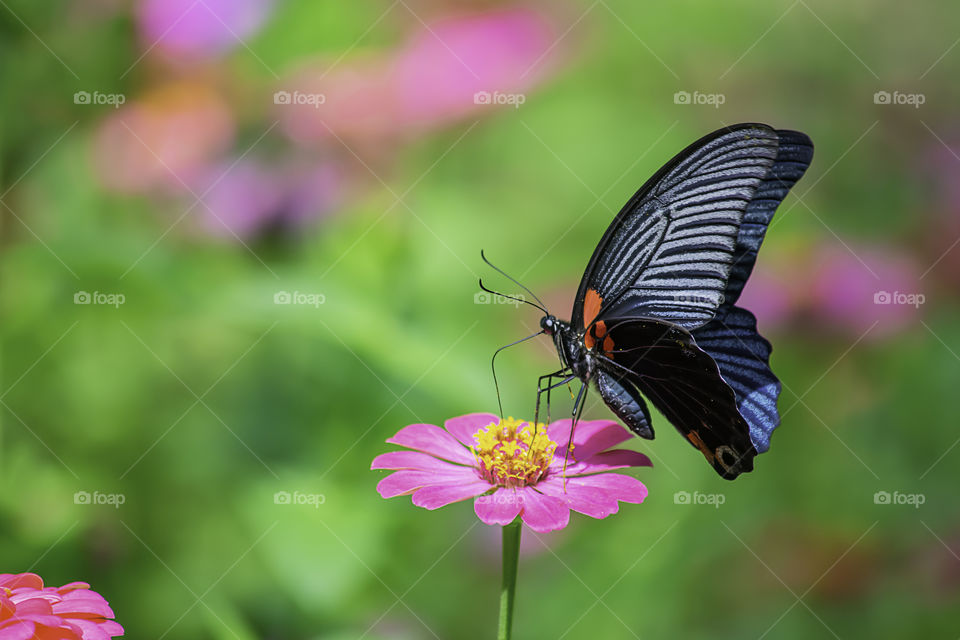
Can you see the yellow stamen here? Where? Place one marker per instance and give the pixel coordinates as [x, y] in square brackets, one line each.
[513, 453]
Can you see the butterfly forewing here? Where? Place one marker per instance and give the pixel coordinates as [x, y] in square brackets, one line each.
[668, 253]
[794, 154]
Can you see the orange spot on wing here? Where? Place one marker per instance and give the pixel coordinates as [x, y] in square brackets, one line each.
[608, 344]
[592, 303]
[591, 306]
[694, 437]
[597, 333]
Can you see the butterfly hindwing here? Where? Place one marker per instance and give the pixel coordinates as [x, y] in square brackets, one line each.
[668, 253]
[683, 382]
[743, 356]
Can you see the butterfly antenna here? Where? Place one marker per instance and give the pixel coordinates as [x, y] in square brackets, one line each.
[493, 366]
[513, 280]
[523, 300]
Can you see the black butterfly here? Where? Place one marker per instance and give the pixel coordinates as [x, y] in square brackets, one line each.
[655, 312]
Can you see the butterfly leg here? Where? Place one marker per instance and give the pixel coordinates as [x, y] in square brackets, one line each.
[578, 405]
[550, 385]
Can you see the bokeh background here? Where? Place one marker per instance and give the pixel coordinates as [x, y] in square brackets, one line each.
[240, 248]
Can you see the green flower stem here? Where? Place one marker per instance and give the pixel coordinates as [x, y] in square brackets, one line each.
[511, 556]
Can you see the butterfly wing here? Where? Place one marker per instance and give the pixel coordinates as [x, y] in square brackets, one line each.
[794, 153]
[668, 253]
[743, 356]
[731, 338]
[683, 382]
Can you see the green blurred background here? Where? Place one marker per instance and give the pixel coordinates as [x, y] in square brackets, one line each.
[149, 163]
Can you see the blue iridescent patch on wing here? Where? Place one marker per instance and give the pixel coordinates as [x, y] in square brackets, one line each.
[743, 357]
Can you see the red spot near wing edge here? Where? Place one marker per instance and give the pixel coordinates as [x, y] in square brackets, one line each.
[694, 437]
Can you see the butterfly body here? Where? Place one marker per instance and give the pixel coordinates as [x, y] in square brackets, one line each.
[655, 314]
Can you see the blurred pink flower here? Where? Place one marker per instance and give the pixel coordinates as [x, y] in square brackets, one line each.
[439, 73]
[191, 29]
[428, 83]
[243, 197]
[239, 199]
[29, 611]
[162, 139]
[511, 470]
[855, 287]
[773, 297]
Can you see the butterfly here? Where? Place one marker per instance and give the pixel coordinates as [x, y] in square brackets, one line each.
[655, 315]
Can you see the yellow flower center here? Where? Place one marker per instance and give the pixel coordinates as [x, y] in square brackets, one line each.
[513, 453]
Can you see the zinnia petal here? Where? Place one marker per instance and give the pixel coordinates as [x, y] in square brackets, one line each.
[603, 461]
[584, 499]
[22, 630]
[623, 488]
[71, 612]
[18, 580]
[590, 437]
[499, 508]
[543, 513]
[407, 481]
[463, 428]
[412, 460]
[431, 439]
[439, 495]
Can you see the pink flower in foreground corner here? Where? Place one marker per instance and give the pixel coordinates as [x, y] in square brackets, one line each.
[30, 611]
[513, 469]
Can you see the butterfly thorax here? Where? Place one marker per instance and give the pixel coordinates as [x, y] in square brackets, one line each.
[572, 351]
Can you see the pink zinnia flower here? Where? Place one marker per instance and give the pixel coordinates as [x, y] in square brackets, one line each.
[29, 611]
[513, 469]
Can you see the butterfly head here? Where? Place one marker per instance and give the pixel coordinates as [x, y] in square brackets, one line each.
[549, 324]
